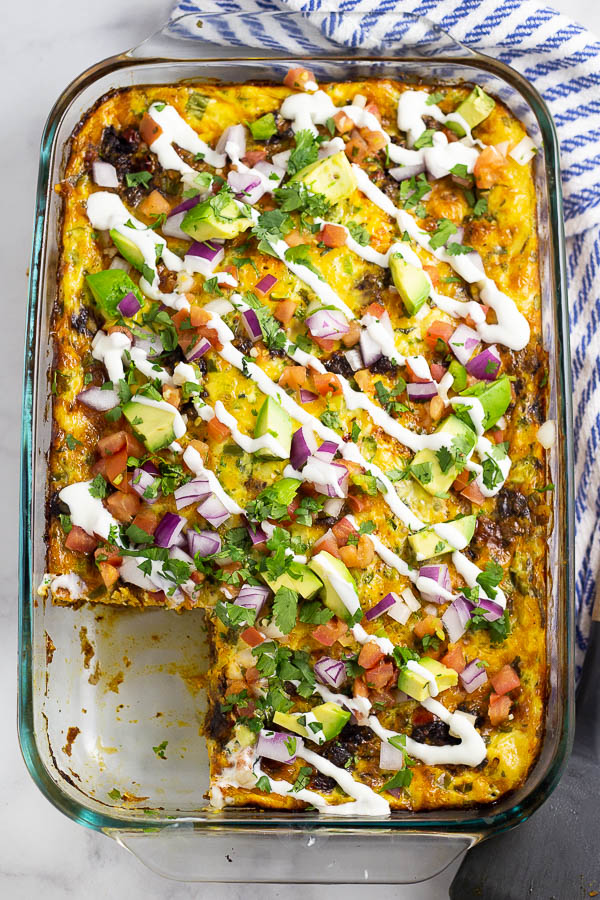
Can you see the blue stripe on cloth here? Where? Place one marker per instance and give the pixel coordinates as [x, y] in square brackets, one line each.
[562, 59]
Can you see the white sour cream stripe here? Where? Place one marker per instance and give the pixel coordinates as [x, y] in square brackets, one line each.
[175, 130]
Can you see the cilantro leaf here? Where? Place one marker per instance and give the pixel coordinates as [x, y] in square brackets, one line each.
[285, 609]
[263, 784]
[425, 139]
[315, 614]
[490, 578]
[299, 255]
[132, 179]
[304, 153]
[445, 228]
[359, 233]
[160, 750]
[98, 487]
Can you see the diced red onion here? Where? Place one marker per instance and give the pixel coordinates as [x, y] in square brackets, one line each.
[456, 617]
[457, 236]
[212, 251]
[473, 676]
[329, 490]
[172, 226]
[326, 451]
[330, 671]
[502, 147]
[281, 159]
[485, 365]
[206, 543]
[276, 745]
[213, 511]
[168, 530]
[354, 358]
[369, 349]
[380, 608]
[184, 207]
[191, 492]
[399, 612]
[257, 535]
[129, 305]
[493, 610]
[463, 343]
[333, 506]
[400, 173]
[266, 283]
[140, 482]
[198, 350]
[104, 174]
[247, 186]
[328, 323]
[252, 597]
[149, 342]
[97, 399]
[420, 392]
[149, 466]
[118, 262]
[235, 136]
[441, 576]
[251, 324]
[390, 758]
[307, 396]
[267, 169]
[304, 444]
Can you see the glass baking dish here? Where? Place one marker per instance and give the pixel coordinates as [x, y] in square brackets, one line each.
[99, 688]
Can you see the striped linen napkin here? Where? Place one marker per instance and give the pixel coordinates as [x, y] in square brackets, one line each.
[562, 60]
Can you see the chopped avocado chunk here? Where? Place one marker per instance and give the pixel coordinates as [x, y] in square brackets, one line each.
[494, 398]
[128, 249]
[153, 425]
[427, 544]
[307, 585]
[211, 219]
[108, 289]
[330, 716]
[475, 108]
[411, 283]
[413, 684]
[435, 470]
[444, 677]
[332, 177]
[459, 373]
[264, 128]
[274, 420]
[337, 581]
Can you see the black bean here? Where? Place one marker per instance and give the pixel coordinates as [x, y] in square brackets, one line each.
[244, 345]
[338, 364]
[83, 322]
[217, 724]
[383, 366]
[512, 503]
[436, 733]
[323, 783]
[337, 753]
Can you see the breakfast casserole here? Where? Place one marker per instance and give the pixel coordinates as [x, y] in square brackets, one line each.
[299, 383]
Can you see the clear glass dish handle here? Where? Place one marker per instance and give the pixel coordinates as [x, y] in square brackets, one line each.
[293, 856]
[202, 36]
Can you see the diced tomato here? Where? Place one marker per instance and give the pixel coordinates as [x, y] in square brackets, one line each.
[327, 543]
[374, 110]
[332, 235]
[171, 395]
[428, 625]
[298, 78]
[123, 506]
[499, 708]
[231, 270]
[198, 577]
[254, 156]
[149, 129]
[343, 123]
[252, 636]
[359, 688]
[112, 443]
[108, 554]
[434, 274]
[505, 680]
[325, 344]
[363, 380]
[235, 686]
[108, 573]
[293, 238]
[356, 148]
[252, 675]
[375, 140]
[352, 336]
[115, 468]
[285, 311]
[154, 205]
[80, 541]
[422, 716]
[489, 168]
[357, 503]
[370, 654]
[330, 632]
[217, 431]
[439, 331]
[412, 376]
[200, 447]
[473, 493]
[326, 384]
[342, 530]
[461, 481]
[146, 520]
[498, 436]
[379, 675]
[375, 309]
[454, 659]
[437, 371]
[293, 377]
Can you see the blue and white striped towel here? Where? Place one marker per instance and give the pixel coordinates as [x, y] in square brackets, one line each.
[562, 60]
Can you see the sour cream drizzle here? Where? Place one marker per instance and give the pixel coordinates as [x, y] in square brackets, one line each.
[193, 461]
[87, 512]
[175, 130]
[250, 445]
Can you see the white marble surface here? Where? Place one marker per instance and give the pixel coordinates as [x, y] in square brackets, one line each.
[43, 44]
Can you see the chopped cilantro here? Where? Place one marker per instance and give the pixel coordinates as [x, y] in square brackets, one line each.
[71, 442]
[98, 487]
[302, 779]
[480, 207]
[425, 139]
[285, 609]
[132, 179]
[315, 614]
[445, 228]
[359, 233]
[263, 784]
[331, 419]
[304, 153]
[160, 750]
[299, 255]
[264, 128]
[436, 97]
[490, 578]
